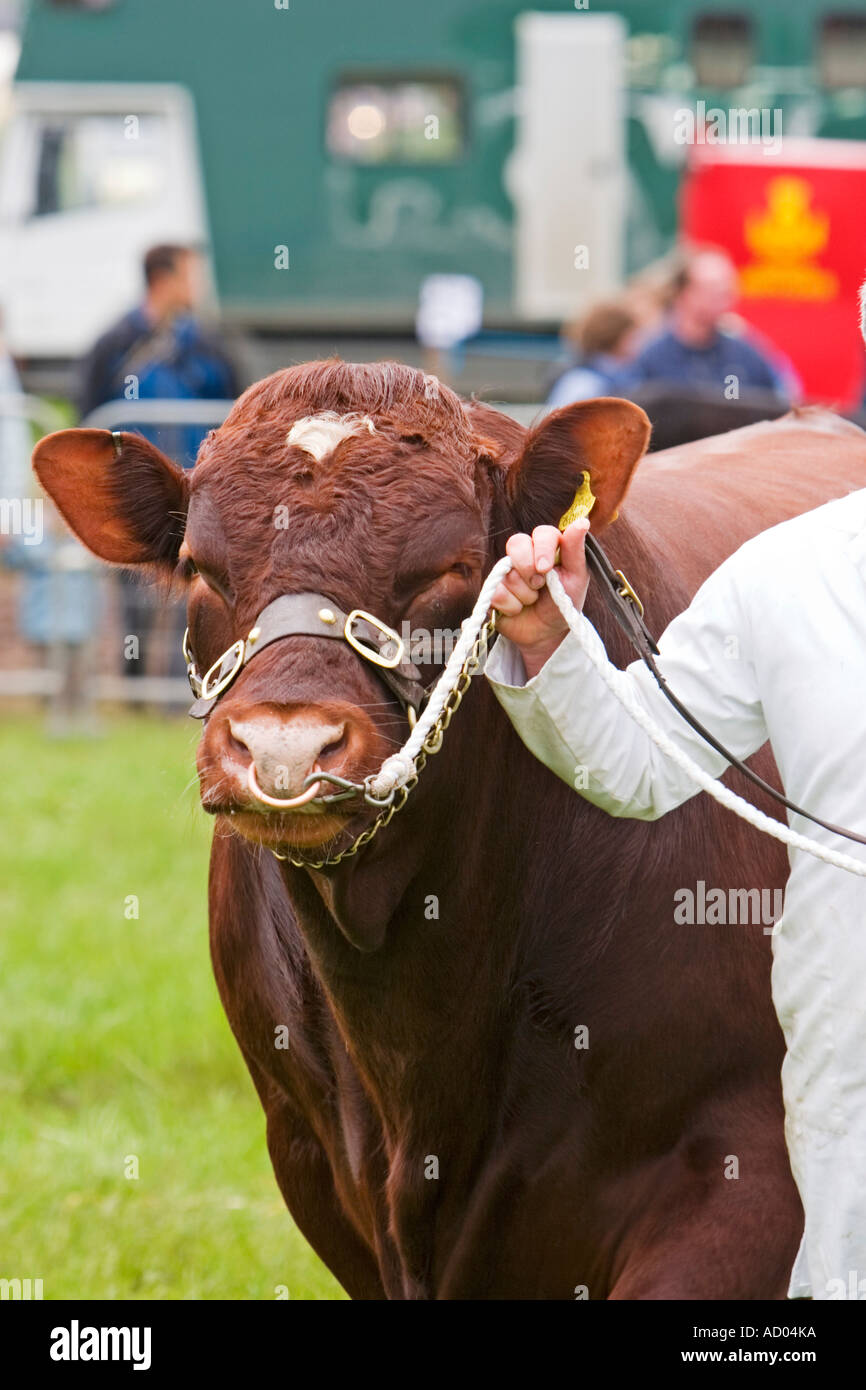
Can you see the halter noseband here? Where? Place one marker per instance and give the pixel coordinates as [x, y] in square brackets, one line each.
[311, 615]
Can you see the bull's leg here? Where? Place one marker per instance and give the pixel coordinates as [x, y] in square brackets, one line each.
[709, 1239]
[692, 1268]
[305, 1179]
[304, 1176]
[250, 995]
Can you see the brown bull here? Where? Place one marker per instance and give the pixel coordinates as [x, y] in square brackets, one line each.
[509, 1073]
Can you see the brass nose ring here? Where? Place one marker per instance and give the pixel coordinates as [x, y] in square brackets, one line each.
[285, 804]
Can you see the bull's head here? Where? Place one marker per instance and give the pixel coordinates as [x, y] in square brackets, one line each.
[359, 487]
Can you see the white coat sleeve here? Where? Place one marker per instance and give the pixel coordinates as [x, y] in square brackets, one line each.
[569, 719]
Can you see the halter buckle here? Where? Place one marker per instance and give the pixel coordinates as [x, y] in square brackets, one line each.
[192, 674]
[626, 591]
[209, 692]
[369, 653]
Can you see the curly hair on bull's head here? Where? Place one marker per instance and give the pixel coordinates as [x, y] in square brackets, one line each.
[388, 395]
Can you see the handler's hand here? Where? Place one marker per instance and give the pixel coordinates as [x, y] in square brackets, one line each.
[526, 612]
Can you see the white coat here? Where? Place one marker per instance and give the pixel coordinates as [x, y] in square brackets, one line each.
[772, 646]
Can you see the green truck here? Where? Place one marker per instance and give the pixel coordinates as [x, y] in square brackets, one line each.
[332, 155]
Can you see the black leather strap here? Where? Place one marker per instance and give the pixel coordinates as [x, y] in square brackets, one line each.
[628, 615]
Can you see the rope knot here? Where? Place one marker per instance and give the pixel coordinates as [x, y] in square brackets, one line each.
[392, 774]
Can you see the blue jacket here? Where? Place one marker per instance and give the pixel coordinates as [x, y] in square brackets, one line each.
[601, 375]
[175, 361]
[666, 358]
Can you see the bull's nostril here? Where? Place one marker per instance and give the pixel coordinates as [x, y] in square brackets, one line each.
[336, 745]
[237, 745]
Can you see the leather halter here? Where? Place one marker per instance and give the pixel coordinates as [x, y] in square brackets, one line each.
[311, 615]
[307, 615]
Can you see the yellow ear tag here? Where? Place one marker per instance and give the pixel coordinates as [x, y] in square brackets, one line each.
[584, 501]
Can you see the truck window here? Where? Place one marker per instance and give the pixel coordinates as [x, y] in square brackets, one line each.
[722, 50]
[97, 162]
[396, 120]
[843, 50]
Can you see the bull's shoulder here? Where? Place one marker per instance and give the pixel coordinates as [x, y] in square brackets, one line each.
[750, 479]
[791, 553]
[701, 502]
[819, 527]
[794, 431]
[818, 417]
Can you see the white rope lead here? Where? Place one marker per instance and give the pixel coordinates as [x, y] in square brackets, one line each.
[401, 766]
[397, 770]
[711, 785]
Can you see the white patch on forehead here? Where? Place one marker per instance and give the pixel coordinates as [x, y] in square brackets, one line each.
[319, 435]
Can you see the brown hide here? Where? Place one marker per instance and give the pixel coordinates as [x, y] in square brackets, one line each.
[557, 1169]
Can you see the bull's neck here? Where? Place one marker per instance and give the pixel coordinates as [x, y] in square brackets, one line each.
[439, 901]
[417, 939]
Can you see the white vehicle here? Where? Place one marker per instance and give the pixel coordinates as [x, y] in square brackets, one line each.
[91, 175]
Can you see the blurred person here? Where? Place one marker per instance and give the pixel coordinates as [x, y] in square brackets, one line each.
[696, 348]
[159, 351]
[606, 338]
[650, 293]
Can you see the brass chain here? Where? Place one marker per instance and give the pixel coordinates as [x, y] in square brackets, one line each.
[432, 744]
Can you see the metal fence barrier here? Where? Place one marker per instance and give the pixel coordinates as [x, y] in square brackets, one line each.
[132, 415]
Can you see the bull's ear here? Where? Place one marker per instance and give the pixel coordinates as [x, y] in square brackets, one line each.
[603, 438]
[123, 498]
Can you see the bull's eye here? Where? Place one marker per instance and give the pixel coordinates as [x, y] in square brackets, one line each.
[215, 584]
[442, 602]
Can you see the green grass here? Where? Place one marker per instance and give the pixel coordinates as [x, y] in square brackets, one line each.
[113, 1041]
